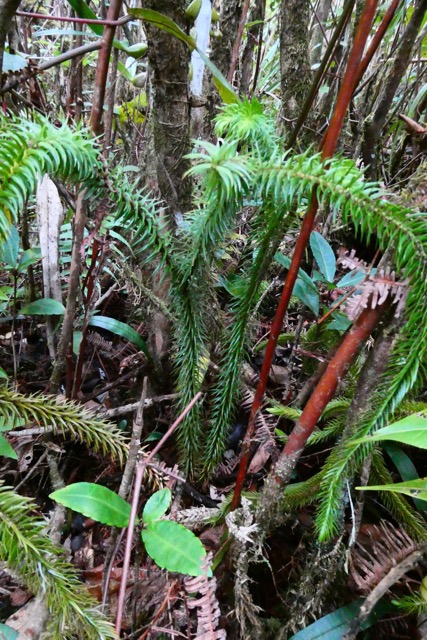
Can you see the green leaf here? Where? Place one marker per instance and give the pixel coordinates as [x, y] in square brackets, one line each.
[405, 467]
[6, 449]
[134, 51]
[225, 89]
[7, 633]
[173, 547]
[353, 278]
[10, 248]
[13, 62]
[94, 501]
[340, 322]
[324, 255]
[334, 625]
[156, 506]
[3, 374]
[44, 307]
[120, 329]
[84, 11]
[307, 295]
[411, 430]
[413, 488]
[29, 257]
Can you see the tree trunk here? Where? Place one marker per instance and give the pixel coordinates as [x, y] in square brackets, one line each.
[7, 11]
[294, 58]
[168, 60]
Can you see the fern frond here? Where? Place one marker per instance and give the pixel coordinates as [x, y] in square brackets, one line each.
[31, 555]
[64, 417]
[30, 149]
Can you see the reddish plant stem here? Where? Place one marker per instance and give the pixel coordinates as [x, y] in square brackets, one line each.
[323, 393]
[107, 23]
[238, 42]
[377, 39]
[328, 147]
[134, 508]
[102, 66]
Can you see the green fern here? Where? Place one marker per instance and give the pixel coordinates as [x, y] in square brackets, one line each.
[41, 566]
[30, 149]
[67, 418]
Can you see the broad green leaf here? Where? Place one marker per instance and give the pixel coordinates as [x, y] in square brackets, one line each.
[286, 262]
[6, 449]
[323, 255]
[411, 430]
[94, 501]
[135, 50]
[174, 547]
[3, 374]
[29, 257]
[7, 633]
[340, 322]
[77, 339]
[225, 89]
[156, 506]
[13, 62]
[334, 625]
[412, 488]
[43, 307]
[405, 467]
[120, 329]
[10, 248]
[84, 11]
[353, 278]
[307, 295]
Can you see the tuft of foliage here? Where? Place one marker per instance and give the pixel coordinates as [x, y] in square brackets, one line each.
[30, 149]
[40, 565]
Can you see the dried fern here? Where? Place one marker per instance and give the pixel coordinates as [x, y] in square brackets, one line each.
[206, 604]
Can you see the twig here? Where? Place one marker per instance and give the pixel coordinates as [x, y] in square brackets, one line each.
[159, 610]
[381, 589]
[134, 507]
[108, 23]
[128, 408]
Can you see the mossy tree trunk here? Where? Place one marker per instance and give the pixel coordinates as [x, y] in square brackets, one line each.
[295, 70]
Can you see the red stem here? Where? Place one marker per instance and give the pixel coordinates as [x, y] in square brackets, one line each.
[328, 146]
[134, 508]
[107, 23]
[238, 42]
[102, 66]
[325, 390]
[376, 40]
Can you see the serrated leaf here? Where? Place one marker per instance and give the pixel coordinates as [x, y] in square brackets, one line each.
[13, 62]
[174, 547]
[157, 505]
[411, 430]
[323, 255]
[6, 449]
[44, 307]
[413, 488]
[120, 329]
[94, 501]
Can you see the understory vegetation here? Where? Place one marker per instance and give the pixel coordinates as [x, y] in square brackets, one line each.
[213, 320]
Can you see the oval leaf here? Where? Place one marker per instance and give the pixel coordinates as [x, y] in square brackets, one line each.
[411, 430]
[173, 547]
[6, 449]
[94, 501]
[324, 255]
[120, 329]
[157, 505]
[44, 307]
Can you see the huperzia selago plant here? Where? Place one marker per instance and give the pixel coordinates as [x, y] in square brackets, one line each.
[248, 165]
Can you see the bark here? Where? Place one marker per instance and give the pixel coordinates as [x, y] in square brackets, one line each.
[7, 12]
[294, 58]
[318, 37]
[254, 39]
[169, 60]
[374, 126]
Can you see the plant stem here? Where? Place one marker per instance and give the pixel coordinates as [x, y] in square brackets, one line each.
[323, 393]
[328, 146]
[134, 508]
